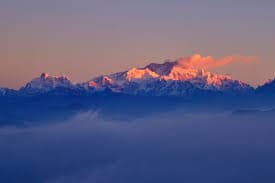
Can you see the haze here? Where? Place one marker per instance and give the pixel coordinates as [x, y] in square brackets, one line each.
[174, 146]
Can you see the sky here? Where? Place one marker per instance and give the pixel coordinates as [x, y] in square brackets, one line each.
[85, 38]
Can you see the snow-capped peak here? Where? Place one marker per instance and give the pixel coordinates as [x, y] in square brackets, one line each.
[135, 74]
[46, 83]
[189, 70]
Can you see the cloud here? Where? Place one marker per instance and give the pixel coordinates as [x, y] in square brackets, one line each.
[199, 62]
[167, 147]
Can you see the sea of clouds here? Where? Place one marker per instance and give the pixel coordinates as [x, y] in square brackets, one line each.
[166, 147]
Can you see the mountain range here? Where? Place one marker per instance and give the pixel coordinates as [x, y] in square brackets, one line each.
[171, 78]
[132, 93]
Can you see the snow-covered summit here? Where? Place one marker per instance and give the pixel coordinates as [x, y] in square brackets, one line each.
[172, 75]
[46, 83]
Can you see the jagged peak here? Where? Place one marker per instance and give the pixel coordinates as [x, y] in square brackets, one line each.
[270, 81]
[45, 83]
[189, 69]
[186, 69]
[161, 69]
[135, 73]
[46, 76]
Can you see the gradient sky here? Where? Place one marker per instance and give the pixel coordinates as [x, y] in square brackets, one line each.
[85, 38]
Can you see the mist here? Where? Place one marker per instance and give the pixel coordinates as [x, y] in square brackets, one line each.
[165, 147]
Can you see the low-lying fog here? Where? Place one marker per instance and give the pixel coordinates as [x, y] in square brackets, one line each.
[168, 147]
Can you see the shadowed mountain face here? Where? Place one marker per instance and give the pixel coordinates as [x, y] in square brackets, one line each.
[267, 89]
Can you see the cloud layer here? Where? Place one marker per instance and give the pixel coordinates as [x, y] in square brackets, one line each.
[171, 147]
